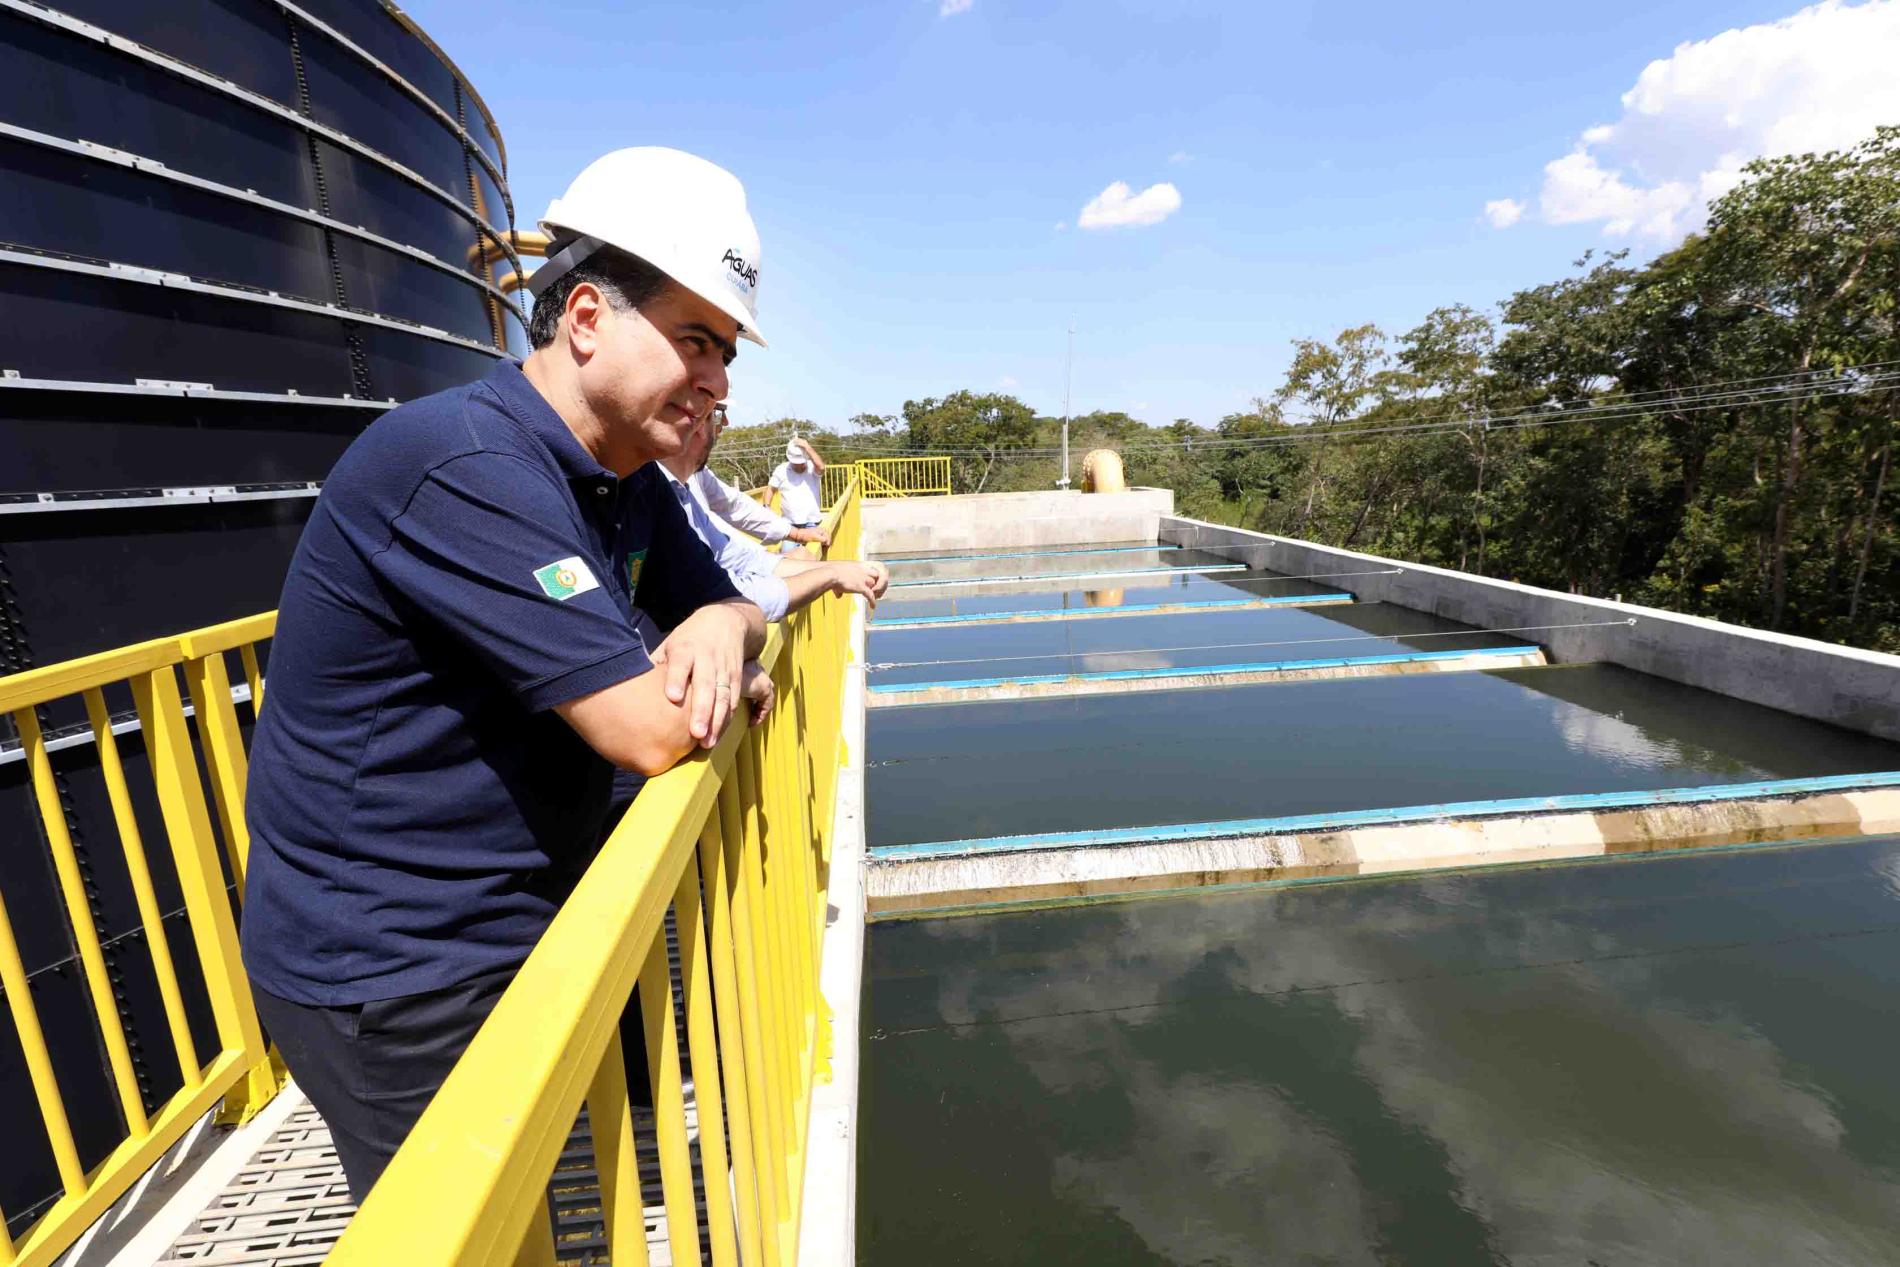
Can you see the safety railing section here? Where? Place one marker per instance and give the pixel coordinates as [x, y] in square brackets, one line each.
[875, 478]
[834, 480]
[904, 477]
[736, 844]
[101, 1132]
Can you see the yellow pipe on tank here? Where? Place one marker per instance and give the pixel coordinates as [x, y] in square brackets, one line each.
[1102, 472]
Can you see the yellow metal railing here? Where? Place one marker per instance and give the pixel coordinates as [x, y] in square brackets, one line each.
[905, 477]
[876, 478]
[834, 479]
[736, 844]
[167, 761]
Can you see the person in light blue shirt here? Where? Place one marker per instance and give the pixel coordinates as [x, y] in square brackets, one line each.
[778, 585]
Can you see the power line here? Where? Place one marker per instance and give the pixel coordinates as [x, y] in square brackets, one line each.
[1802, 387]
[1729, 394]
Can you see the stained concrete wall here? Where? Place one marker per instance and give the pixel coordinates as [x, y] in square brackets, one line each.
[1849, 687]
[898, 886]
[1002, 521]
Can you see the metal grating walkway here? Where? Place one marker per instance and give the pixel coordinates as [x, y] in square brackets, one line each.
[288, 1205]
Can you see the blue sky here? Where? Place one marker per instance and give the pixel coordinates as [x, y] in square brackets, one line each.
[909, 168]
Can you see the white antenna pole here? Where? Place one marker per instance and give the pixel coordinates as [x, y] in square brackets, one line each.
[1068, 381]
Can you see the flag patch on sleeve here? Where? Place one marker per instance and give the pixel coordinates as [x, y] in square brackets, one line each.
[564, 578]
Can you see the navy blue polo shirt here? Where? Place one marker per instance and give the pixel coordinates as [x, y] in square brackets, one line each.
[417, 812]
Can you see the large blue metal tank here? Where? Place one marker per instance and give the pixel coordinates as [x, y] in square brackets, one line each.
[232, 233]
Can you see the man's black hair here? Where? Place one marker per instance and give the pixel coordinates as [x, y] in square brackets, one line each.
[626, 280]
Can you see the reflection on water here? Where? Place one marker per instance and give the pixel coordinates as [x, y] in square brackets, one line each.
[1192, 639]
[1677, 1060]
[989, 769]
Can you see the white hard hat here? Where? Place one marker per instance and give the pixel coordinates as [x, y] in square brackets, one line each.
[794, 453]
[683, 215]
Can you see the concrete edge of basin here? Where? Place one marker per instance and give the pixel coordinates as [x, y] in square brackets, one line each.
[1079, 684]
[829, 1204]
[1019, 520]
[1846, 686]
[915, 886]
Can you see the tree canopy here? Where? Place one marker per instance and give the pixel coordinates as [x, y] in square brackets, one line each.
[1711, 432]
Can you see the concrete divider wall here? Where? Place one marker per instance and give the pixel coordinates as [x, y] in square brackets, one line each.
[1843, 685]
[1001, 521]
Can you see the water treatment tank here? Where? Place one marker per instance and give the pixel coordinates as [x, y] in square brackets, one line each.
[233, 232]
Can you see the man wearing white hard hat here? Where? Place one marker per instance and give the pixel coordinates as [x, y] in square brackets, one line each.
[496, 601]
[798, 480]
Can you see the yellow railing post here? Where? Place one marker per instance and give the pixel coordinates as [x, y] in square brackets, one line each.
[142, 891]
[188, 824]
[616, 1163]
[79, 914]
[224, 752]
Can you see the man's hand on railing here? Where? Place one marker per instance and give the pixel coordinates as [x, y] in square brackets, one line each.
[868, 579]
[756, 687]
[807, 535]
[703, 658]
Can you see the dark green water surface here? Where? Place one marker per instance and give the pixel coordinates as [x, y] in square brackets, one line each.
[1176, 640]
[1686, 1059]
[957, 771]
[1065, 593]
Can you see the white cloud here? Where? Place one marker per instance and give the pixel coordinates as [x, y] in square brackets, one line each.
[1179, 157]
[1503, 212]
[1118, 205]
[1009, 383]
[1820, 79]
[950, 8]
[1061, 225]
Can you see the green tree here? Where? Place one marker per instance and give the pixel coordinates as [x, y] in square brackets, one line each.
[975, 429]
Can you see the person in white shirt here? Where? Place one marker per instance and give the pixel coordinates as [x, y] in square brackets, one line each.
[797, 480]
[744, 512]
[778, 586]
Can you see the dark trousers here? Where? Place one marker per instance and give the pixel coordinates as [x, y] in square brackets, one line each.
[372, 1068]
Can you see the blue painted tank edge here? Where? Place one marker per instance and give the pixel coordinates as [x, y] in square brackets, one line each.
[1020, 554]
[1264, 667]
[1054, 613]
[1075, 576]
[1402, 814]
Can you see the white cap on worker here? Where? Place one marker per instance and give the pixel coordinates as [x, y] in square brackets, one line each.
[794, 453]
[683, 215]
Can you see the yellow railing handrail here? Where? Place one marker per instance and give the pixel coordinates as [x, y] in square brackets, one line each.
[751, 823]
[240, 1072]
